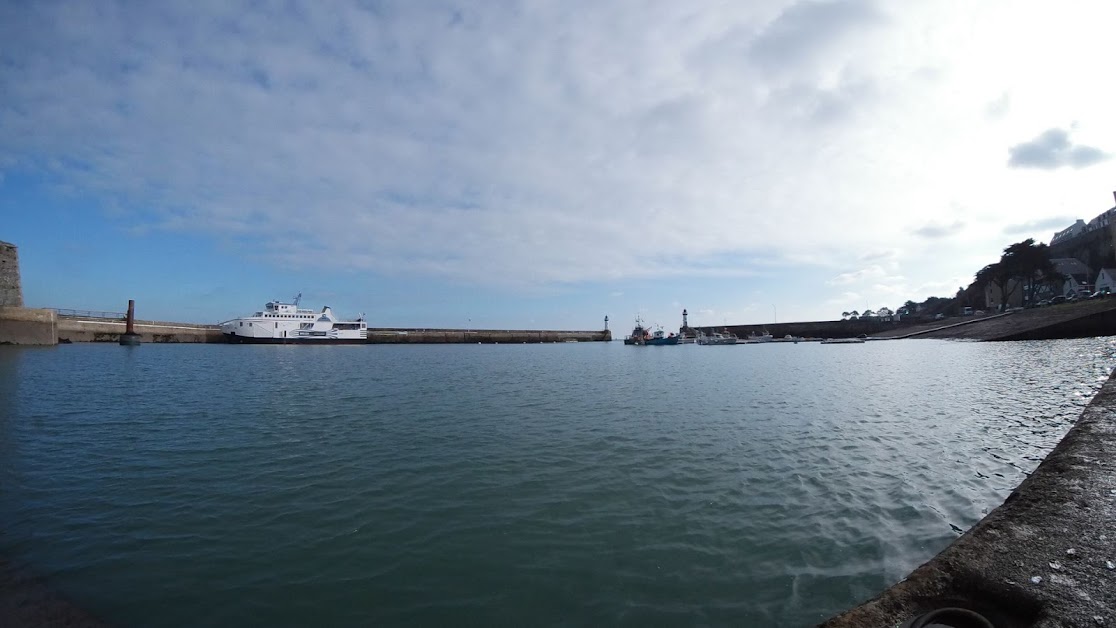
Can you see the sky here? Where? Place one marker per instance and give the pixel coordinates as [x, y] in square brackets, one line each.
[538, 164]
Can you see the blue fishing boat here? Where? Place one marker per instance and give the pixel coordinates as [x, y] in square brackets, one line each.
[642, 336]
[661, 338]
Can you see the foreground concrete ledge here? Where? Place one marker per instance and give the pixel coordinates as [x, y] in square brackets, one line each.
[1043, 559]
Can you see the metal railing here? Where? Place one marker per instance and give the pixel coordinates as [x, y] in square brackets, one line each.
[89, 314]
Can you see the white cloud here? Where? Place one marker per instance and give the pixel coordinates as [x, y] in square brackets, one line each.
[557, 142]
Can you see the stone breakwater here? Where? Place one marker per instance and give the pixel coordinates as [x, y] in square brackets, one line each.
[1046, 558]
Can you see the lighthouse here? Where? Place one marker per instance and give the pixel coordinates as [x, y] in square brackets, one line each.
[685, 330]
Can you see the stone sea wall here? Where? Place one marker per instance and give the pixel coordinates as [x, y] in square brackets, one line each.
[1046, 558]
[26, 326]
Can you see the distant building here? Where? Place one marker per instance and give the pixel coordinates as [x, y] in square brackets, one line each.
[1106, 279]
[1102, 220]
[1094, 242]
[1078, 278]
[1071, 231]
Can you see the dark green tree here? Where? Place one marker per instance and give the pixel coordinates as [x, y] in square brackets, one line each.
[1002, 277]
[1029, 263]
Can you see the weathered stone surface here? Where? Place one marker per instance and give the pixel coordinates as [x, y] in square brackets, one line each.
[1041, 559]
[26, 326]
[11, 290]
[104, 330]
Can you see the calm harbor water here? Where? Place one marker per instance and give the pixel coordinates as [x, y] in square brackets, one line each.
[571, 484]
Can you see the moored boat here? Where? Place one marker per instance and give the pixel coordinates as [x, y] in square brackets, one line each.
[661, 338]
[717, 338]
[639, 334]
[286, 323]
[642, 336]
[755, 338]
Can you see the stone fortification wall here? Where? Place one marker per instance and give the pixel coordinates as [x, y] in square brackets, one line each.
[11, 291]
[24, 326]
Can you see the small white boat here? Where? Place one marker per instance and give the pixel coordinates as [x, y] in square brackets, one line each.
[758, 338]
[286, 323]
[717, 338]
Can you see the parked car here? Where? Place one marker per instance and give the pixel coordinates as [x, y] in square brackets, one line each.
[939, 316]
[1058, 299]
[1100, 294]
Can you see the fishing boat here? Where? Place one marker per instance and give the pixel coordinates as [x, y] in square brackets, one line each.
[287, 323]
[717, 338]
[642, 336]
[755, 338]
[639, 334]
[661, 338]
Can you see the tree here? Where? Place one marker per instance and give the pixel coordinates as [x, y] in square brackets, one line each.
[844, 315]
[868, 314]
[1001, 276]
[1023, 264]
[1033, 262]
[854, 314]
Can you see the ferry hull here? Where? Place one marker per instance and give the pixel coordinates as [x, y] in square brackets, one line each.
[249, 340]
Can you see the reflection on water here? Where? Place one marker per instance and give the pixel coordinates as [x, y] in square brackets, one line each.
[534, 484]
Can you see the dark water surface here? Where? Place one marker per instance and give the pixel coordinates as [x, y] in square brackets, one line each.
[565, 484]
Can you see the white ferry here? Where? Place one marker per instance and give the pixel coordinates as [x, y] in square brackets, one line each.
[286, 323]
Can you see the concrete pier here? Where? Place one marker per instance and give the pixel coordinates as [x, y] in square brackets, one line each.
[1046, 558]
[27, 326]
[482, 336]
[82, 329]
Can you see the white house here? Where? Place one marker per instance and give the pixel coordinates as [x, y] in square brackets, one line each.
[1107, 279]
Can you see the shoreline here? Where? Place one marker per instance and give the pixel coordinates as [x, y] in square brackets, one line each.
[1042, 558]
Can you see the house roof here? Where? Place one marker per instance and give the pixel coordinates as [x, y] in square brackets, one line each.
[1070, 266]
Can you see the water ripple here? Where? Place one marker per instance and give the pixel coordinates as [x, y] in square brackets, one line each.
[538, 484]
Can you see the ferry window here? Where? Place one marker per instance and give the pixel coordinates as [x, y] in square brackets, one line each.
[276, 325]
[242, 323]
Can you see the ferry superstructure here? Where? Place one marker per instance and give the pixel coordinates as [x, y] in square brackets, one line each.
[286, 323]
